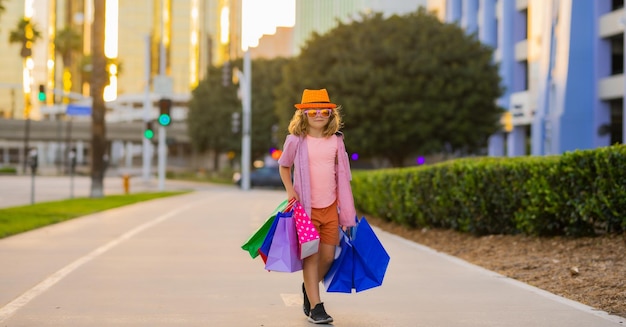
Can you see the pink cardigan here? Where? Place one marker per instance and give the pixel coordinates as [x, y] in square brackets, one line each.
[295, 153]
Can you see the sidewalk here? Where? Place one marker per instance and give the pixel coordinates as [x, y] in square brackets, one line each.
[177, 261]
[17, 190]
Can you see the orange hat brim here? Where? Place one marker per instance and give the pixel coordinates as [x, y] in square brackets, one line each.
[315, 105]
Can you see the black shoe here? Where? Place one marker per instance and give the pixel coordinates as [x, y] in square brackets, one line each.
[319, 315]
[306, 306]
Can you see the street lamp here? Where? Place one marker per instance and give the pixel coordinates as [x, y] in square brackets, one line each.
[245, 84]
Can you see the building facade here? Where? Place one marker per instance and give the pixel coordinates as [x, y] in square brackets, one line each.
[144, 39]
[321, 16]
[561, 64]
[279, 44]
[155, 49]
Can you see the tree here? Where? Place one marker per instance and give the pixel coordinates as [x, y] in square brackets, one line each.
[67, 43]
[2, 8]
[98, 82]
[25, 34]
[86, 67]
[210, 114]
[212, 106]
[265, 131]
[409, 85]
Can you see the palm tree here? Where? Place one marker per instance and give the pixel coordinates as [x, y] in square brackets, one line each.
[86, 66]
[25, 33]
[98, 82]
[67, 43]
[2, 8]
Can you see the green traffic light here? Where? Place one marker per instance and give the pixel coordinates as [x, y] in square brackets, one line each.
[149, 134]
[42, 93]
[165, 120]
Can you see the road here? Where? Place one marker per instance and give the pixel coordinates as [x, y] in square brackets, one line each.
[177, 261]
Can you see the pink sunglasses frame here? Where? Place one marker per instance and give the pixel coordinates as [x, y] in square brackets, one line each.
[318, 112]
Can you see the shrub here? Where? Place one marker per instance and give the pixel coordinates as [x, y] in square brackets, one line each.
[578, 193]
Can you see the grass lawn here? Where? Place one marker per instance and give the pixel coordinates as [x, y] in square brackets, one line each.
[16, 220]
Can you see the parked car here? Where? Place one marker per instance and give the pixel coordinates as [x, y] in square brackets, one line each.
[262, 177]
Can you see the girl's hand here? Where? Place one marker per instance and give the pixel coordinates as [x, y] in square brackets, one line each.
[292, 195]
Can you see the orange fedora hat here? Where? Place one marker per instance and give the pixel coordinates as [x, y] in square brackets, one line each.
[315, 99]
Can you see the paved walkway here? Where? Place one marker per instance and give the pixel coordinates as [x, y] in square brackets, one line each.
[21, 190]
[177, 262]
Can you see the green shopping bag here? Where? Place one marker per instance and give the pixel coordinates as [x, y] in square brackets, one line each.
[255, 241]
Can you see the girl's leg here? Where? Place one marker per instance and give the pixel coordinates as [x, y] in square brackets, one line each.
[326, 256]
[310, 272]
[314, 268]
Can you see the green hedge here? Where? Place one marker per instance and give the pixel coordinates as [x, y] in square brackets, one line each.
[577, 193]
[7, 170]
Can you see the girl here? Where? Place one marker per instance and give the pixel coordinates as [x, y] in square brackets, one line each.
[321, 183]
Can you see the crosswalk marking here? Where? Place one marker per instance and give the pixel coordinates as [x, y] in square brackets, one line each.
[292, 300]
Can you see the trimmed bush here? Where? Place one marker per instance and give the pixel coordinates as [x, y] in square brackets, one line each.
[578, 193]
[8, 170]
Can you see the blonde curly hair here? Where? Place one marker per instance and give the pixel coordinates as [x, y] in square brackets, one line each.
[299, 124]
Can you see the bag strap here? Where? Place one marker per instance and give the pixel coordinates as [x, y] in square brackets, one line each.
[290, 204]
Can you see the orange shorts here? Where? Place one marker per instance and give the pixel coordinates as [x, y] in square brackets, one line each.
[326, 220]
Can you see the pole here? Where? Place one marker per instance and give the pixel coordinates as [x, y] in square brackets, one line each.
[162, 62]
[59, 153]
[32, 187]
[72, 157]
[147, 105]
[246, 123]
[68, 141]
[72, 184]
[26, 138]
[33, 163]
[162, 157]
[28, 85]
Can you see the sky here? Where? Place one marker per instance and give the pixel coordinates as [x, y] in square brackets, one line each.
[263, 16]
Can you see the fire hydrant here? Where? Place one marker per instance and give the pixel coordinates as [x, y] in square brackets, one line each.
[126, 183]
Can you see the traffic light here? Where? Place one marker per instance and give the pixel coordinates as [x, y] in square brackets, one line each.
[235, 123]
[226, 71]
[165, 105]
[42, 93]
[508, 122]
[148, 132]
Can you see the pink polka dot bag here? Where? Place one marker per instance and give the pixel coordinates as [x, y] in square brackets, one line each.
[308, 237]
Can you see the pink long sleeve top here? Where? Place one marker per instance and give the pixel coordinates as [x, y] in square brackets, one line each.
[295, 153]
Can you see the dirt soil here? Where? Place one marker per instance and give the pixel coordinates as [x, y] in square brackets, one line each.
[589, 270]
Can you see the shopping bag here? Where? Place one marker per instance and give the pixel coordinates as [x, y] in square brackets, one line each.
[283, 253]
[340, 277]
[370, 257]
[286, 210]
[255, 241]
[308, 237]
[267, 242]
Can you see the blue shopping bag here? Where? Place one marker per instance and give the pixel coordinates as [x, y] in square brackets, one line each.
[370, 257]
[339, 277]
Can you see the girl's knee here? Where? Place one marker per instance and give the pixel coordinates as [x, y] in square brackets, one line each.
[327, 260]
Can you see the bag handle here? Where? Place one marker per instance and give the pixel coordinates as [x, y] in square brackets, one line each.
[290, 204]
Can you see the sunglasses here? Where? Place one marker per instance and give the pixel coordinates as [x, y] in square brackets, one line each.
[312, 113]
